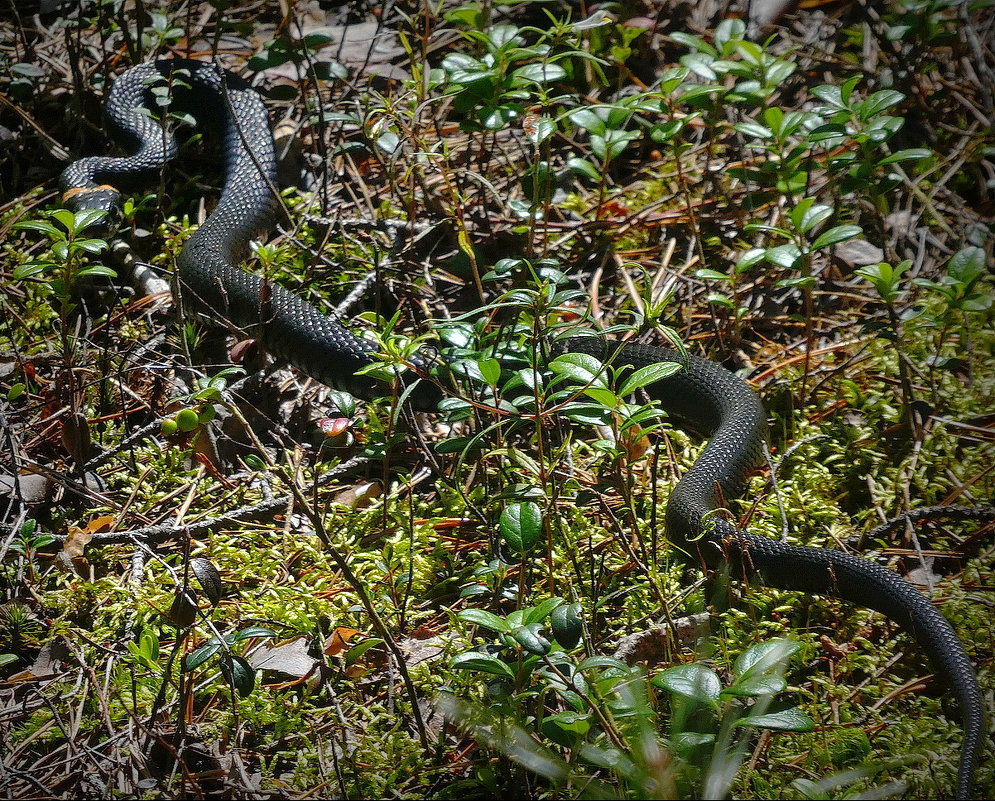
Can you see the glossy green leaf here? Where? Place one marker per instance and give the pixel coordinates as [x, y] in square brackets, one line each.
[665, 131]
[481, 617]
[521, 526]
[773, 229]
[753, 686]
[490, 370]
[791, 719]
[910, 154]
[650, 374]
[783, 255]
[593, 662]
[749, 258]
[239, 672]
[502, 35]
[353, 655]
[830, 95]
[535, 614]
[847, 87]
[879, 102]
[588, 120]
[693, 42]
[693, 681]
[792, 184]
[565, 728]
[759, 669]
[700, 64]
[717, 299]
[38, 225]
[713, 275]
[253, 631]
[583, 167]
[840, 233]
[689, 741]
[796, 282]
[967, 265]
[32, 268]
[530, 639]
[194, 660]
[607, 757]
[754, 129]
[540, 73]
[697, 91]
[580, 367]
[829, 135]
[604, 397]
[811, 216]
[482, 663]
[566, 624]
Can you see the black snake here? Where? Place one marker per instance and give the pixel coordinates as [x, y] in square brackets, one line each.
[705, 397]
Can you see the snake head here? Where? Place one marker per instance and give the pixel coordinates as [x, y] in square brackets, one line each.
[101, 198]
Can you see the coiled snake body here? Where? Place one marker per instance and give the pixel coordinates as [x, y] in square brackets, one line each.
[705, 398]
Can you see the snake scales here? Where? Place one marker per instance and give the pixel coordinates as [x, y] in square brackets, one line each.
[705, 398]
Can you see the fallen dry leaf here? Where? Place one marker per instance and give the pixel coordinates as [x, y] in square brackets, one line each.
[290, 658]
[337, 642]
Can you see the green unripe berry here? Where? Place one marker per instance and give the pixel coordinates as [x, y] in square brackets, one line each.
[187, 419]
[168, 427]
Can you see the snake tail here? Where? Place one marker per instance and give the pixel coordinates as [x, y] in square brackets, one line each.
[714, 403]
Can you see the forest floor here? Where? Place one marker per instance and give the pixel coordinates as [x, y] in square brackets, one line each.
[222, 578]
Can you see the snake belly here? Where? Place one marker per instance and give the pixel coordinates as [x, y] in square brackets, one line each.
[705, 398]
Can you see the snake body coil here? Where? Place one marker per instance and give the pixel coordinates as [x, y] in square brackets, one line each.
[705, 398]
